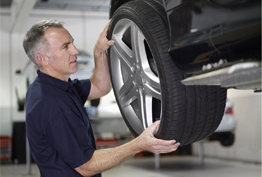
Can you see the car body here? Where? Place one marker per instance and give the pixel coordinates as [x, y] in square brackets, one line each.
[85, 64]
[219, 32]
[174, 60]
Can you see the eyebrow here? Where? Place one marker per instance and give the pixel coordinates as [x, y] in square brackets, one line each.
[66, 43]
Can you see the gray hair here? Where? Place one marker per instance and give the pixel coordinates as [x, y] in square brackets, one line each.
[34, 41]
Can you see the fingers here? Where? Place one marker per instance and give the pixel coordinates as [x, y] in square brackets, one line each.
[107, 44]
[102, 43]
[107, 25]
[104, 32]
[154, 126]
[156, 123]
[149, 142]
[111, 42]
[165, 149]
[164, 143]
[165, 146]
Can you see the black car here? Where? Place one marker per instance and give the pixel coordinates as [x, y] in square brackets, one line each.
[174, 60]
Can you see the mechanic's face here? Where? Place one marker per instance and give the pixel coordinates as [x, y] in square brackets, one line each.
[62, 53]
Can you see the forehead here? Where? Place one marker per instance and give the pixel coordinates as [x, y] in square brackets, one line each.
[57, 35]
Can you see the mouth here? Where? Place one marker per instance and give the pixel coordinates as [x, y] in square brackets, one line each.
[73, 62]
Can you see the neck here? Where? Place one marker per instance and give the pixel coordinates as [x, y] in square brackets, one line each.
[55, 74]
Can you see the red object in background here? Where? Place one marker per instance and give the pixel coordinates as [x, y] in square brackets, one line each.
[5, 142]
[5, 148]
[106, 142]
[229, 110]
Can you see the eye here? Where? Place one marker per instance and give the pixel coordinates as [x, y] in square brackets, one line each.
[66, 47]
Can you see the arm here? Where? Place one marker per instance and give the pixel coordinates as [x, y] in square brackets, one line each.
[100, 80]
[105, 159]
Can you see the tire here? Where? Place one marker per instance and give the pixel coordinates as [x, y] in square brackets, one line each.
[20, 103]
[20, 107]
[228, 140]
[147, 82]
[95, 102]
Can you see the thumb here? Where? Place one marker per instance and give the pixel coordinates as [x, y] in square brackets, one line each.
[111, 42]
[154, 127]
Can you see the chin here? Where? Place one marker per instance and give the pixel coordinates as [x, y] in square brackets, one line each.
[74, 70]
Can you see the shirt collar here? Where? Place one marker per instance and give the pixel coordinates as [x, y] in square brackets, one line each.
[53, 81]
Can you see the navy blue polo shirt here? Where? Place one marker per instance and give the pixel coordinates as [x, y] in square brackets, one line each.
[58, 127]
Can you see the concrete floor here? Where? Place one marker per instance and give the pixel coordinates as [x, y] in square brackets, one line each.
[170, 166]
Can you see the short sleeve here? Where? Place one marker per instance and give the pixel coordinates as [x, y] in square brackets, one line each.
[83, 88]
[70, 139]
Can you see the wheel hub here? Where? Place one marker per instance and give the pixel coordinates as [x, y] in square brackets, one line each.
[138, 80]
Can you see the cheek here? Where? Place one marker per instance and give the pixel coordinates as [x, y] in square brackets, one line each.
[67, 63]
[52, 59]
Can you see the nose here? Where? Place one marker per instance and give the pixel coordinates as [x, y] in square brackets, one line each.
[74, 50]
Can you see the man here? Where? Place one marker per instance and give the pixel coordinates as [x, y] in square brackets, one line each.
[58, 127]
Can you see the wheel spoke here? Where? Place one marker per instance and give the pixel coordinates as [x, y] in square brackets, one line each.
[129, 96]
[124, 54]
[152, 84]
[145, 105]
[126, 87]
[137, 41]
[153, 92]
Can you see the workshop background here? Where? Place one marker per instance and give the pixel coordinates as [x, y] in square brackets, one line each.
[85, 22]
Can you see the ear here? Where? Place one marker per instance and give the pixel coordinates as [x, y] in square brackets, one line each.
[42, 59]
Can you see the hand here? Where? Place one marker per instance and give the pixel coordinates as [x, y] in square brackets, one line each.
[148, 142]
[103, 43]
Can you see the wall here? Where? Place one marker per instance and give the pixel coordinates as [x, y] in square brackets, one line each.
[84, 27]
[5, 84]
[247, 146]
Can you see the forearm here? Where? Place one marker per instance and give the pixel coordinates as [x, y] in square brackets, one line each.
[100, 79]
[105, 159]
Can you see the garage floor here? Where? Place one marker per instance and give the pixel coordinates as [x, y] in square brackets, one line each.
[174, 166]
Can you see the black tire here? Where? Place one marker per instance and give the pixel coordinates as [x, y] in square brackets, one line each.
[21, 107]
[187, 114]
[228, 140]
[20, 103]
[95, 102]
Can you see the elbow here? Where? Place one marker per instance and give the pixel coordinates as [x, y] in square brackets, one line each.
[100, 88]
[104, 91]
[108, 89]
[83, 171]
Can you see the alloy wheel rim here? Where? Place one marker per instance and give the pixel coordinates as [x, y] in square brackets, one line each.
[134, 74]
